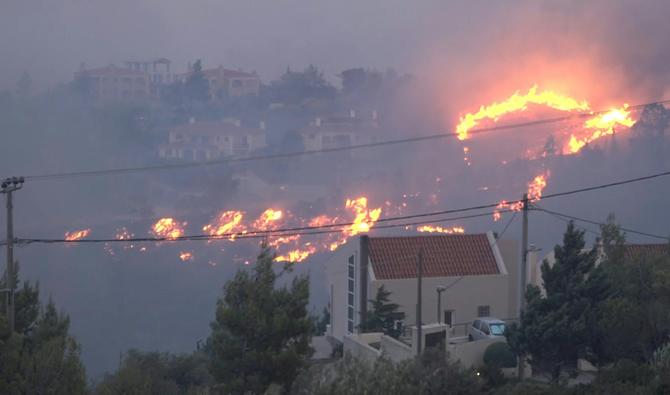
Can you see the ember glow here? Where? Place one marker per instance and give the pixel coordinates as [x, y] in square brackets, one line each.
[364, 219]
[186, 256]
[77, 234]
[168, 228]
[439, 229]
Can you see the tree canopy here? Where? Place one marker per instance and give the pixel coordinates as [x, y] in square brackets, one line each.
[383, 315]
[261, 332]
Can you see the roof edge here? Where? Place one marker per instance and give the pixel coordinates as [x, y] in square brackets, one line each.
[493, 242]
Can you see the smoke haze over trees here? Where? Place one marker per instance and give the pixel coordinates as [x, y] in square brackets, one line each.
[417, 67]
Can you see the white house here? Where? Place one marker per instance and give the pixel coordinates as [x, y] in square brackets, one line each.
[479, 272]
[212, 140]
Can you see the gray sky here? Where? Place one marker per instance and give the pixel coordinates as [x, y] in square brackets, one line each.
[50, 38]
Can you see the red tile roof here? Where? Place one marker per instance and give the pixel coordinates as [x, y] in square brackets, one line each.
[443, 256]
[633, 251]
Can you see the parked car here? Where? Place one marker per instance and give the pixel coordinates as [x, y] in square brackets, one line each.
[486, 328]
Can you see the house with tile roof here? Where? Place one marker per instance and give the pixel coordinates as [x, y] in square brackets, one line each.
[113, 83]
[338, 131]
[480, 275]
[225, 83]
[208, 140]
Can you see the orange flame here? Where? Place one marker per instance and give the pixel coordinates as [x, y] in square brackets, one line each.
[518, 102]
[168, 228]
[439, 229]
[77, 234]
[535, 188]
[599, 126]
[227, 222]
[364, 220]
[186, 256]
[267, 220]
[296, 255]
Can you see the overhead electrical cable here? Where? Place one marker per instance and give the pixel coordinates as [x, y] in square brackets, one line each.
[214, 162]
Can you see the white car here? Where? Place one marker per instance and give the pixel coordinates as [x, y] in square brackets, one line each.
[486, 328]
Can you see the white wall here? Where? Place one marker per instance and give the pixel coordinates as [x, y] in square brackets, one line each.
[336, 280]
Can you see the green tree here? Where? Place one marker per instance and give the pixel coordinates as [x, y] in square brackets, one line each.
[196, 87]
[295, 87]
[635, 320]
[560, 327]
[261, 332]
[383, 315]
[157, 373]
[40, 357]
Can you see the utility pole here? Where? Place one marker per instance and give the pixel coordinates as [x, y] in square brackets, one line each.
[8, 186]
[419, 274]
[523, 269]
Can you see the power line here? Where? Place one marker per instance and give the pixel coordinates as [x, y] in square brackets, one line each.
[103, 172]
[260, 233]
[568, 217]
[314, 230]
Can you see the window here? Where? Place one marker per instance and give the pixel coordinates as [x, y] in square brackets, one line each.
[485, 329]
[449, 317]
[483, 311]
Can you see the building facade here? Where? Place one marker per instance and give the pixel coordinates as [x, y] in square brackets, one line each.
[340, 131]
[479, 272]
[159, 72]
[114, 83]
[226, 83]
[199, 141]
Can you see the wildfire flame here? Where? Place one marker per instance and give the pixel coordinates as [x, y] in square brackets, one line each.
[534, 193]
[168, 228]
[363, 221]
[226, 222]
[599, 126]
[518, 102]
[186, 256]
[439, 229]
[77, 234]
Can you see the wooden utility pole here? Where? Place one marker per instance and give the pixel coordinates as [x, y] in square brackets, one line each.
[522, 271]
[8, 186]
[419, 274]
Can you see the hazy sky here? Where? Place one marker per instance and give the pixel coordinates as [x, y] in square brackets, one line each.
[50, 38]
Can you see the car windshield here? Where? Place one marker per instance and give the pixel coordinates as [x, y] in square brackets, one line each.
[497, 329]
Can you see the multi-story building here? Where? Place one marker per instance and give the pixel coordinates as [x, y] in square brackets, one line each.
[225, 83]
[340, 131]
[112, 83]
[158, 70]
[478, 275]
[198, 141]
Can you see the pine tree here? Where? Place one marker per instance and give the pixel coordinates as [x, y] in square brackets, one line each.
[560, 327]
[40, 356]
[383, 315]
[261, 332]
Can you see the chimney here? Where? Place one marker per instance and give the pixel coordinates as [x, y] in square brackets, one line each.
[317, 122]
[352, 113]
[262, 125]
